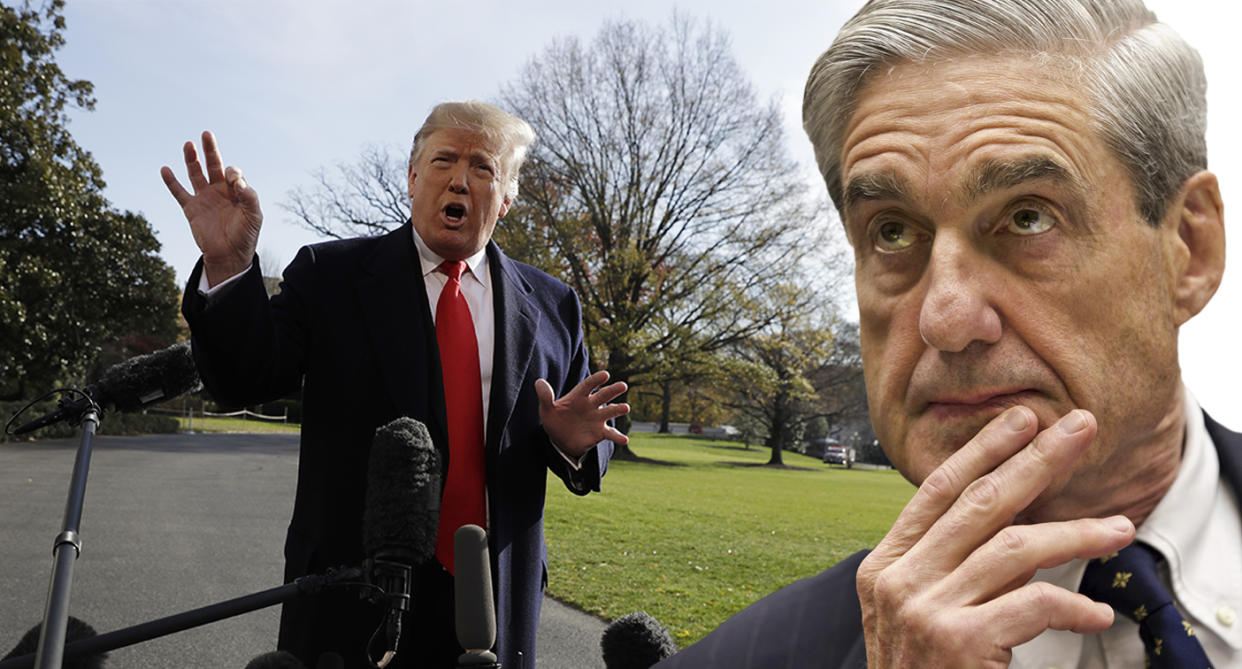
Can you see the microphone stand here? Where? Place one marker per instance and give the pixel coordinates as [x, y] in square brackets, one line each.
[56, 614]
[52, 650]
[306, 585]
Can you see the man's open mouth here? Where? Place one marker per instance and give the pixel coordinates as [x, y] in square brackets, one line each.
[454, 212]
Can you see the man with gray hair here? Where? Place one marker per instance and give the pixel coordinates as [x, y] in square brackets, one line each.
[1024, 184]
[430, 321]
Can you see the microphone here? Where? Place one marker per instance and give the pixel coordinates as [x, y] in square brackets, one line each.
[277, 659]
[472, 589]
[635, 641]
[75, 630]
[131, 385]
[401, 515]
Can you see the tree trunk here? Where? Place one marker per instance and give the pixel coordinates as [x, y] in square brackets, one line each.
[619, 369]
[623, 451]
[774, 442]
[778, 429]
[666, 403]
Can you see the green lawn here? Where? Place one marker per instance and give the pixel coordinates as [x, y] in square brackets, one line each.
[209, 424]
[697, 539]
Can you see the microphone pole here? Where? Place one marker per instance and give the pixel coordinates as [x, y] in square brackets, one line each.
[56, 614]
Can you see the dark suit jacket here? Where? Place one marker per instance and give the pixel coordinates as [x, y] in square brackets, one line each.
[352, 328]
[817, 622]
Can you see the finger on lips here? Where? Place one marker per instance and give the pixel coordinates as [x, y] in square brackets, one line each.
[999, 440]
[991, 501]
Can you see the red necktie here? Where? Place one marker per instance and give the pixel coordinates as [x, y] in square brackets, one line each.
[463, 501]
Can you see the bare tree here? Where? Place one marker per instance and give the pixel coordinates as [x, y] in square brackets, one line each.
[660, 189]
[368, 197]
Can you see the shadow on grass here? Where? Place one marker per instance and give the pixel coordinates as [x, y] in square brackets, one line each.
[640, 460]
[764, 464]
[730, 446]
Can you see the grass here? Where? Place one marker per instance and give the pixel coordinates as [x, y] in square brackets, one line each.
[707, 532]
[208, 424]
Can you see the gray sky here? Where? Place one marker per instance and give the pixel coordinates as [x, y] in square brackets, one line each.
[292, 85]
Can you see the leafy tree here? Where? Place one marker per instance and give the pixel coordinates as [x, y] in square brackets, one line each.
[843, 391]
[788, 380]
[74, 272]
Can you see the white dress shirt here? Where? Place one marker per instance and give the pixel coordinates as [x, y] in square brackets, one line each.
[476, 286]
[1197, 528]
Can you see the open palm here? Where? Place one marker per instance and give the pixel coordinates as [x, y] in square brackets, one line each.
[223, 211]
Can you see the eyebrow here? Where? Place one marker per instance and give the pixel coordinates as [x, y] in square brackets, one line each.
[877, 186]
[999, 175]
[989, 177]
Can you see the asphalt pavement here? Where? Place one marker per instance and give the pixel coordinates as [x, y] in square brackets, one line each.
[176, 522]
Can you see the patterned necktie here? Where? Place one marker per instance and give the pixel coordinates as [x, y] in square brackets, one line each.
[463, 501]
[1128, 582]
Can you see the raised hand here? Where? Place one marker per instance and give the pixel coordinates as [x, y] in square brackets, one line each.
[223, 212]
[579, 420]
[949, 585]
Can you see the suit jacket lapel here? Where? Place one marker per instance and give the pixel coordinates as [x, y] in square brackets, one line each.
[1229, 450]
[398, 320]
[516, 324]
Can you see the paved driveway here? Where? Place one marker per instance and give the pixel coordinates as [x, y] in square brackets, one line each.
[172, 523]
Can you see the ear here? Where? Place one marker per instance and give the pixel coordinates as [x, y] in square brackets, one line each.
[1199, 254]
[504, 207]
[410, 183]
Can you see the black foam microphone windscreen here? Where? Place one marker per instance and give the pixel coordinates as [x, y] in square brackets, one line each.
[132, 385]
[75, 630]
[277, 659]
[635, 641]
[476, 612]
[145, 379]
[403, 494]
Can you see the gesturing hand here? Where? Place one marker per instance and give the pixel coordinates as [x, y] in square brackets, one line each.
[949, 585]
[223, 212]
[579, 420]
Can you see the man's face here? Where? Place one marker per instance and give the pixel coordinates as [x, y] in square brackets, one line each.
[1000, 260]
[457, 191]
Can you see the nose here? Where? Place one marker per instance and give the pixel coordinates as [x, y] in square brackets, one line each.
[457, 180]
[957, 307]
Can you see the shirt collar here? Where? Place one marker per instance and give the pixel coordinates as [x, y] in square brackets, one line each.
[1196, 528]
[429, 260]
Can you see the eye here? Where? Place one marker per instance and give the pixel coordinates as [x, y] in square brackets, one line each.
[890, 235]
[1029, 219]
